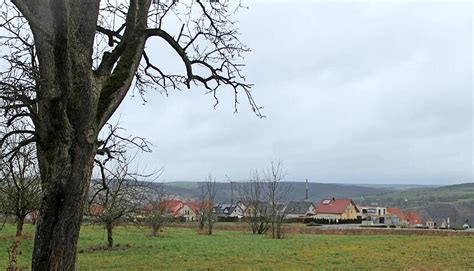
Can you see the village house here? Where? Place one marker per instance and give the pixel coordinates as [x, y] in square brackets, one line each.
[299, 209]
[397, 217]
[373, 214]
[229, 211]
[336, 209]
[414, 219]
[187, 213]
[430, 223]
[180, 210]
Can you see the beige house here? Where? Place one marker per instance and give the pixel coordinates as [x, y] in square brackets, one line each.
[180, 210]
[336, 209]
[187, 213]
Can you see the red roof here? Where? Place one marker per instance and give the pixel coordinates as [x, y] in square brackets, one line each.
[154, 207]
[334, 206]
[414, 218]
[195, 206]
[96, 209]
[173, 206]
[399, 213]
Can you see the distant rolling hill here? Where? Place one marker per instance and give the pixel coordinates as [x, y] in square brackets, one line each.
[453, 201]
[317, 191]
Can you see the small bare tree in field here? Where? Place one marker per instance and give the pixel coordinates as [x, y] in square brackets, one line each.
[155, 211]
[211, 194]
[203, 207]
[264, 197]
[252, 195]
[117, 194]
[276, 195]
[20, 192]
[206, 213]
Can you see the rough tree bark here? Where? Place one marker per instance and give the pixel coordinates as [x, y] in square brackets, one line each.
[73, 105]
[67, 147]
[74, 97]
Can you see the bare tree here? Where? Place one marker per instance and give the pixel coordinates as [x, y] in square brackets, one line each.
[203, 207]
[211, 195]
[155, 211]
[276, 195]
[252, 195]
[117, 193]
[115, 198]
[20, 192]
[70, 65]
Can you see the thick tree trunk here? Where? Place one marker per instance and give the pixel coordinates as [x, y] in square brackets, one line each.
[65, 187]
[19, 226]
[74, 102]
[66, 126]
[110, 238]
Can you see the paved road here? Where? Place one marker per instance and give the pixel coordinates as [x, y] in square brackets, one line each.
[341, 226]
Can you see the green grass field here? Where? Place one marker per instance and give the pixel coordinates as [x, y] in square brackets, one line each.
[185, 249]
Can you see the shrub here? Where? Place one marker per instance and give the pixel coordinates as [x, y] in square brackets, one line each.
[227, 219]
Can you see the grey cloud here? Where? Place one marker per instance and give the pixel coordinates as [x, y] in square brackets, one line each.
[354, 92]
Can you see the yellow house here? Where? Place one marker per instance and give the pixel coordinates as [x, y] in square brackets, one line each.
[336, 209]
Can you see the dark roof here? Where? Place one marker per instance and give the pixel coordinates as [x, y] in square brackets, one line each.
[298, 207]
[224, 210]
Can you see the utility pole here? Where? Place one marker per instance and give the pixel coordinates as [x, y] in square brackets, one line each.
[306, 186]
[231, 190]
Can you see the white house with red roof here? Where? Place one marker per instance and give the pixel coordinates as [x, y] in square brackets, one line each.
[336, 209]
[178, 209]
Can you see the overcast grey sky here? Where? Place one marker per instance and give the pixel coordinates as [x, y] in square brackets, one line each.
[358, 92]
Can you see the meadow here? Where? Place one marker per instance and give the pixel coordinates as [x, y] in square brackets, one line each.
[186, 249]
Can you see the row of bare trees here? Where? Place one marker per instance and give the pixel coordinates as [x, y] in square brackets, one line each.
[264, 198]
[115, 194]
